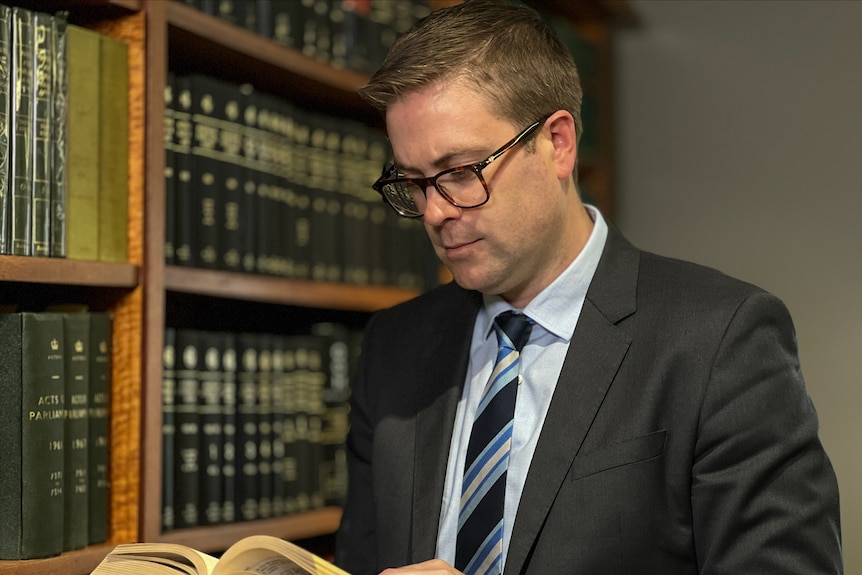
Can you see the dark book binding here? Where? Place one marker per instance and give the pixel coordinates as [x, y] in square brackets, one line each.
[187, 456]
[5, 127]
[42, 131]
[21, 166]
[76, 328]
[31, 435]
[99, 426]
[169, 390]
[210, 379]
[58, 160]
[247, 431]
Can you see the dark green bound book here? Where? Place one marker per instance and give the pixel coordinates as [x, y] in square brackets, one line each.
[187, 457]
[264, 425]
[5, 127]
[21, 164]
[210, 379]
[44, 31]
[58, 165]
[76, 335]
[246, 431]
[229, 446]
[206, 172]
[169, 386]
[169, 134]
[184, 201]
[31, 435]
[100, 426]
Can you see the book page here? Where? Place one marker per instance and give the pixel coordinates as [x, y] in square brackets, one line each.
[198, 563]
[266, 555]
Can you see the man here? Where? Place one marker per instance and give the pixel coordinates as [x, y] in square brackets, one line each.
[661, 424]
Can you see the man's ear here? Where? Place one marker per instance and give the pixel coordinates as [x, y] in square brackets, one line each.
[565, 142]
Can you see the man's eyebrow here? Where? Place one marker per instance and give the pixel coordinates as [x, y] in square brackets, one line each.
[443, 162]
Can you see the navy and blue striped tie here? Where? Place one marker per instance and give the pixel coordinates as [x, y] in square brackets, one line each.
[479, 548]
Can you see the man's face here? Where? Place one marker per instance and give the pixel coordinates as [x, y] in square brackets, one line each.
[513, 245]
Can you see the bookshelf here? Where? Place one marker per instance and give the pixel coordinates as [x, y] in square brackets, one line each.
[167, 35]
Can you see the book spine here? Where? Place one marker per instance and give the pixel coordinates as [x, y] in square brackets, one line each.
[187, 478]
[44, 31]
[76, 335]
[248, 178]
[59, 119]
[277, 418]
[231, 218]
[100, 426]
[210, 377]
[229, 428]
[5, 128]
[184, 204]
[169, 132]
[206, 173]
[113, 150]
[287, 380]
[335, 346]
[21, 177]
[82, 134]
[247, 433]
[169, 393]
[31, 435]
[286, 23]
[264, 426]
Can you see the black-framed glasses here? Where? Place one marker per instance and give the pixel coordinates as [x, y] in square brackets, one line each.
[463, 187]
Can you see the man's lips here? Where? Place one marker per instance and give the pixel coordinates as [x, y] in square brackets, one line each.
[456, 248]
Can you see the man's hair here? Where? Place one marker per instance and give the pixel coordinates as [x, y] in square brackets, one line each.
[505, 51]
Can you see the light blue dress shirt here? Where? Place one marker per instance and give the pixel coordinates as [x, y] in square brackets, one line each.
[556, 311]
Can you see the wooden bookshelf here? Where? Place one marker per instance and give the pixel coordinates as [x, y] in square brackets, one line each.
[166, 35]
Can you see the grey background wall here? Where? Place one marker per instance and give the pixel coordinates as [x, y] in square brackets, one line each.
[739, 137]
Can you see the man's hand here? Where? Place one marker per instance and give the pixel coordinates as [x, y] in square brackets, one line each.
[433, 567]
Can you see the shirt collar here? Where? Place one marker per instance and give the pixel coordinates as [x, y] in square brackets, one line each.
[558, 306]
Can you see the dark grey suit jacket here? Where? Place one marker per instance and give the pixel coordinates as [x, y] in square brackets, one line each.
[680, 438]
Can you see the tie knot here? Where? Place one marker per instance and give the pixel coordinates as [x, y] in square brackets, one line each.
[513, 330]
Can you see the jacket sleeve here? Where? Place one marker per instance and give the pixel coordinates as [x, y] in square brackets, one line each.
[356, 544]
[764, 494]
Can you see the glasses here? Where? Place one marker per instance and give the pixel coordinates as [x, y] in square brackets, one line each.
[463, 187]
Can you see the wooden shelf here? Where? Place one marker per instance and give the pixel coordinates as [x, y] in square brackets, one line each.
[202, 43]
[249, 287]
[67, 272]
[83, 561]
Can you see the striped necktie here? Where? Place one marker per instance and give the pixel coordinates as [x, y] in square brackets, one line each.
[479, 548]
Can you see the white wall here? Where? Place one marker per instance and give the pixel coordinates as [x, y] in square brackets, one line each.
[739, 137]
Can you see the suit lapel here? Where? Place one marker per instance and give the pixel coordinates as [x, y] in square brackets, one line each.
[439, 391]
[595, 353]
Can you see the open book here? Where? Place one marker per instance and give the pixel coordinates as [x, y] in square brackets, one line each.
[255, 555]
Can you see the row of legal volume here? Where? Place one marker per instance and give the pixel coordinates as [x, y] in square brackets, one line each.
[63, 157]
[254, 424]
[352, 34]
[55, 378]
[258, 184]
